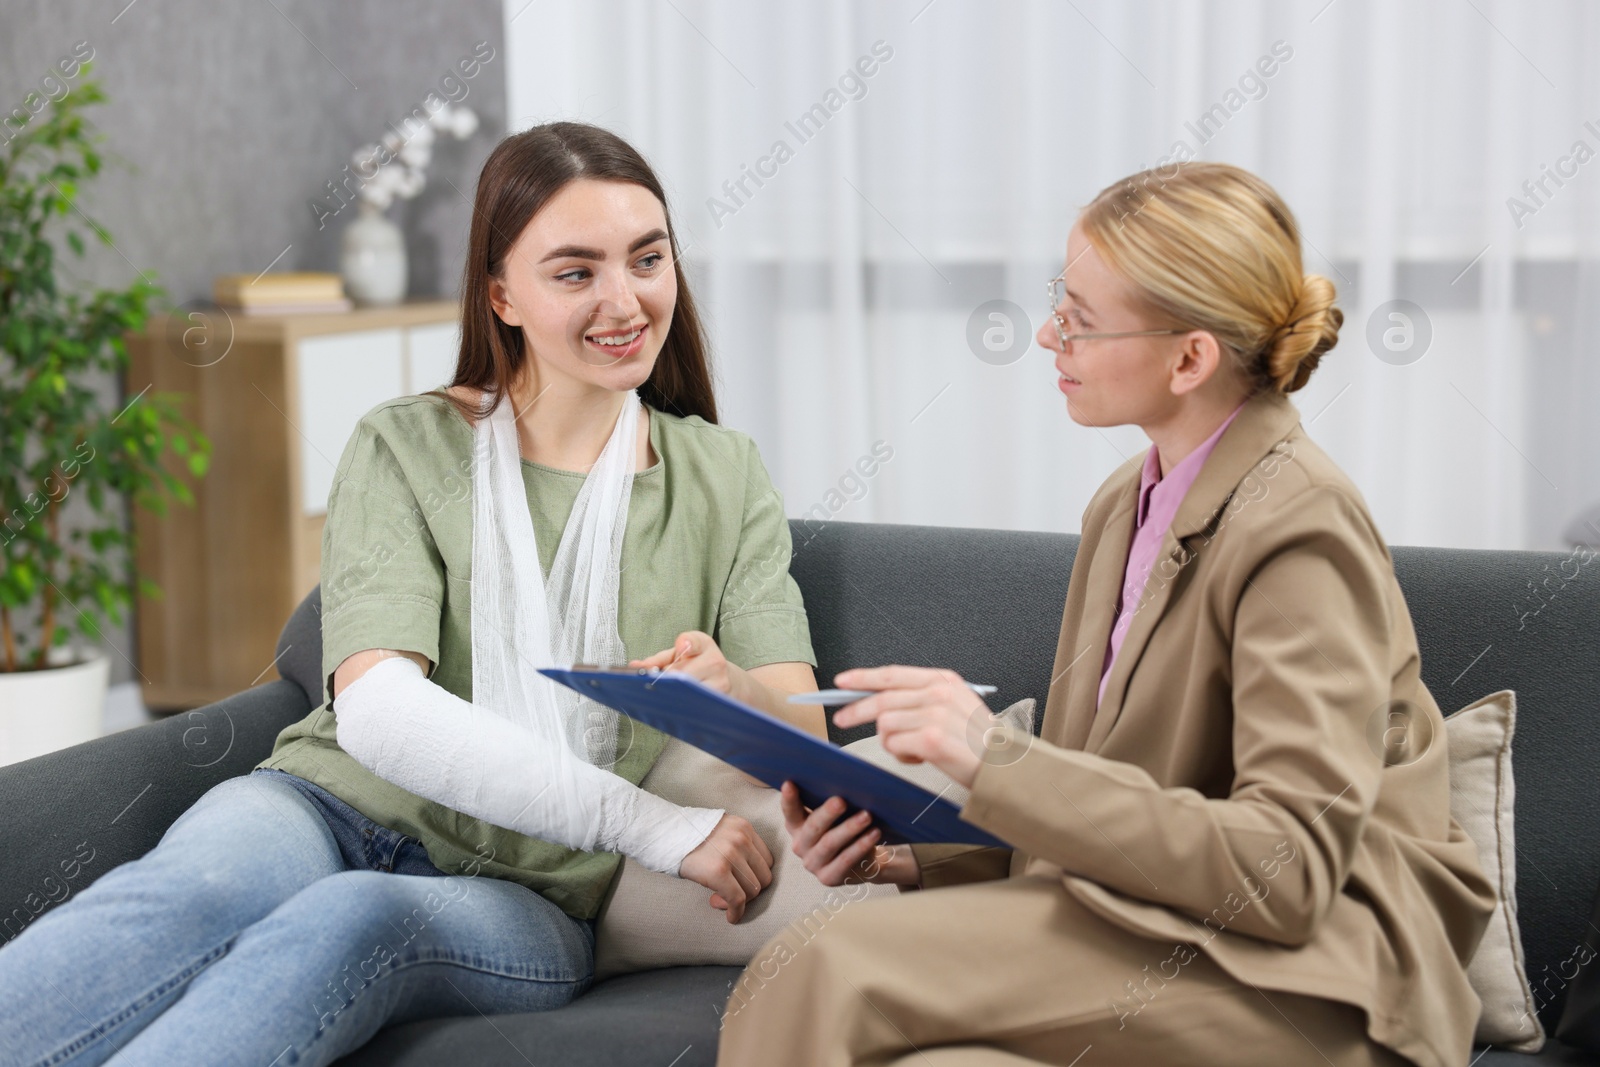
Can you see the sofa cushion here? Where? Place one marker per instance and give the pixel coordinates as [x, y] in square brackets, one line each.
[75, 814]
[299, 651]
[1580, 1022]
[985, 603]
[658, 1018]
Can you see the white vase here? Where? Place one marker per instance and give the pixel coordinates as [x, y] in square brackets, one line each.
[373, 259]
[60, 706]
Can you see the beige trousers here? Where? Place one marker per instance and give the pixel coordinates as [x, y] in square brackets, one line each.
[1014, 972]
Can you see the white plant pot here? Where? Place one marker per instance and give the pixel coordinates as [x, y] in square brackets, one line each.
[373, 259]
[61, 706]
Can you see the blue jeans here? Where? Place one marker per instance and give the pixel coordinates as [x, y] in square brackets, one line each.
[275, 925]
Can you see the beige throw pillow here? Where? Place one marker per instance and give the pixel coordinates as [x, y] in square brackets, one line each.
[1482, 793]
[658, 920]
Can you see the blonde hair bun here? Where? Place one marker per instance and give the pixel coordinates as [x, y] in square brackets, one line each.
[1210, 246]
[1312, 328]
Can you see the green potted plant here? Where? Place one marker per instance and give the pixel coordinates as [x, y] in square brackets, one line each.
[63, 573]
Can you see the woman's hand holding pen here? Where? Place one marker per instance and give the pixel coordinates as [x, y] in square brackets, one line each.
[696, 654]
[766, 688]
[924, 715]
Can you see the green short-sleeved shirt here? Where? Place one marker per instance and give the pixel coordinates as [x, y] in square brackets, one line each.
[706, 548]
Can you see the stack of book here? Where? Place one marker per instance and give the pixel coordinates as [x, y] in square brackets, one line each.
[283, 293]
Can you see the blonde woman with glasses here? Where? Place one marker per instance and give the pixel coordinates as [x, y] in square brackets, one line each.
[1217, 853]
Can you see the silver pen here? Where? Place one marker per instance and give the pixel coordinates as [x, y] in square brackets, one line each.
[831, 697]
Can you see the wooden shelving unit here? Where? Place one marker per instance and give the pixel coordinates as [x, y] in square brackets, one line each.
[278, 397]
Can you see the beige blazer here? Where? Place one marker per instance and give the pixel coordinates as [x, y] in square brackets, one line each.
[1267, 775]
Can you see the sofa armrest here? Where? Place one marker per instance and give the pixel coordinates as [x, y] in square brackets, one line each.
[67, 817]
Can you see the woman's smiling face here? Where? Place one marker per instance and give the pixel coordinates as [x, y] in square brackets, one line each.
[590, 281]
[1107, 381]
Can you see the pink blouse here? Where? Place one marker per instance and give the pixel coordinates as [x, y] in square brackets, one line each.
[1158, 503]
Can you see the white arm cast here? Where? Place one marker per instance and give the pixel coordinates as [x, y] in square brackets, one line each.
[415, 734]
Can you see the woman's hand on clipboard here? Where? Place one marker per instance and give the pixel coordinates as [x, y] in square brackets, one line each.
[848, 852]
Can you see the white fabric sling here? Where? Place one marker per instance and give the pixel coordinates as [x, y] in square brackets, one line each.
[545, 771]
[521, 622]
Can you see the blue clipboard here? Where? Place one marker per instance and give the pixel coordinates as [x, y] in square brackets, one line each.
[775, 752]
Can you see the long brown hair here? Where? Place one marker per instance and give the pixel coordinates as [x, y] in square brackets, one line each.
[520, 176]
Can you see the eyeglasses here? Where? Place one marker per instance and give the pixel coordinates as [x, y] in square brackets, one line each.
[1057, 288]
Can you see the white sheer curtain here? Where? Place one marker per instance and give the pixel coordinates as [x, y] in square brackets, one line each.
[839, 286]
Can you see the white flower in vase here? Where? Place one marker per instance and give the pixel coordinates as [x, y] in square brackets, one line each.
[373, 253]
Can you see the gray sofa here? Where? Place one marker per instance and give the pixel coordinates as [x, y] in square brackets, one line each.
[985, 602]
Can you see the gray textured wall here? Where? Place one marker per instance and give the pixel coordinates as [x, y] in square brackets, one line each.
[230, 117]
